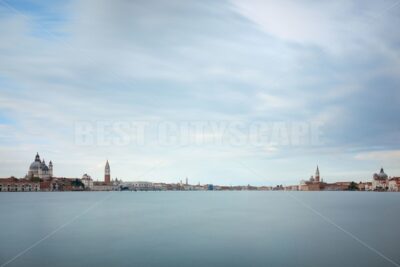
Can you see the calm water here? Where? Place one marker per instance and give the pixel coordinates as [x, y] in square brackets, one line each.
[199, 229]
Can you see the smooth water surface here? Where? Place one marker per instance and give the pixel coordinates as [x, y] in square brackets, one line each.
[199, 229]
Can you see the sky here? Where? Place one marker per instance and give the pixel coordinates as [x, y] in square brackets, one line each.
[223, 92]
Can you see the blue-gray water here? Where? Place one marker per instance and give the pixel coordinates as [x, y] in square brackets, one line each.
[200, 229]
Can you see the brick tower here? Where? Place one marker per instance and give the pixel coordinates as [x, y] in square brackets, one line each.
[107, 173]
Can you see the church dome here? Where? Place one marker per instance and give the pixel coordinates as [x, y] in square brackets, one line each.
[34, 166]
[381, 175]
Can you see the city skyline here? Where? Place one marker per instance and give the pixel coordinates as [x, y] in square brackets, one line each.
[73, 63]
[39, 170]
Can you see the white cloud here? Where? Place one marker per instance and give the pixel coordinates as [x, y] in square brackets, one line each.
[386, 155]
[334, 26]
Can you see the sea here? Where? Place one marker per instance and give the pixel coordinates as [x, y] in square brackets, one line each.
[199, 228]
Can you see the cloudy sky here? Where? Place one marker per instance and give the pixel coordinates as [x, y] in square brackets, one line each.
[332, 67]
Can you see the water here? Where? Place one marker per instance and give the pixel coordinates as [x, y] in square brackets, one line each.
[200, 229]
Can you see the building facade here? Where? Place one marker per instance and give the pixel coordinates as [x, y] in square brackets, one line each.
[87, 181]
[394, 184]
[18, 185]
[313, 184]
[39, 169]
[380, 181]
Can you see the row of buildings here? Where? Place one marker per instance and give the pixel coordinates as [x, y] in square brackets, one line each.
[379, 182]
[40, 178]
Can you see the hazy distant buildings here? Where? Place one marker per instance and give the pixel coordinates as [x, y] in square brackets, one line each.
[87, 181]
[394, 184]
[40, 178]
[138, 186]
[107, 185]
[380, 181]
[18, 185]
[313, 184]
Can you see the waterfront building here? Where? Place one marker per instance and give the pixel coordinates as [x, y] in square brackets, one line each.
[87, 181]
[380, 181]
[338, 186]
[61, 184]
[39, 169]
[138, 186]
[313, 184]
[101, 186]
[13, 184]
[364, 186]
[394, 184]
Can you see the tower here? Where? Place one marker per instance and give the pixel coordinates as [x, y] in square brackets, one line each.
[51, 169]
[317, 174]
[107, 173]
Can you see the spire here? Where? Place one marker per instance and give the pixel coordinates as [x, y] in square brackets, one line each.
[317, 174]
[107, 173]
[107, 168]
[37, 158]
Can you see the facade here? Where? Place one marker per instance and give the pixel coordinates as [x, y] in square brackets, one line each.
[138, 186]
[338, 186]
[107, 173]
[39, 169]
[87, 181]
[394, 184]
[380, 181]
[18, 185]
[101, 186]
[365, 186]
[61, 184]
[313, 184]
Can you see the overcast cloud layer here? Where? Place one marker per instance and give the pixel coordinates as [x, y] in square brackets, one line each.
[334, 64]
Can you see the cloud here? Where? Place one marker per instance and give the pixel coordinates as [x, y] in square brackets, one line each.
[187, 61]
[340, 26]
[386, 155]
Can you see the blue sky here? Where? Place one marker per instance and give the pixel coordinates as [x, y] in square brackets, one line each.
[332, 64]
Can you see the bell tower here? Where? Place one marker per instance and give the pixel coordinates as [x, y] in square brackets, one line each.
[107, 173]
[317, 174]
[51, 169]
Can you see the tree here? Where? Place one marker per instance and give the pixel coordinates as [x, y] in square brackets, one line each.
[353, 186]
[77, 184]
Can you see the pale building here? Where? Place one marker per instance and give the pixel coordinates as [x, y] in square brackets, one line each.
[380, 181]
[313, 184]
[18, 185]
[394, 184]
[87, 181]
[39, 169]
[138, 185]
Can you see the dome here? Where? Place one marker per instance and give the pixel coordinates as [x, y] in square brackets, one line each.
[34, 166]
[44, 167]
[382, 174]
